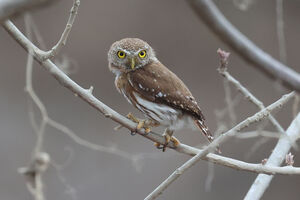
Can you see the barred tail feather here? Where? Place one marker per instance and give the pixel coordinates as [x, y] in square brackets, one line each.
[205, 131]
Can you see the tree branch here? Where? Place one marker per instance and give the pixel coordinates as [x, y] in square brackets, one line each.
[282, 148]
[223, 71]
[216, 21]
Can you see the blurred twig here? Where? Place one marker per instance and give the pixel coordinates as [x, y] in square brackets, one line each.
[296, 105]
[280, 31]
[258, 133]
[217, 22]
[229, 102]
[39, 160]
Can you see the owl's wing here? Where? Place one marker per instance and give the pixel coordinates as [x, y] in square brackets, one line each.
[158, 84]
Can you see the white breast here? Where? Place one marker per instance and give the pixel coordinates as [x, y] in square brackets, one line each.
[165, 115]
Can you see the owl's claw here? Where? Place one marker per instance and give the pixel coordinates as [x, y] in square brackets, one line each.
[167, 141]
[146, 124]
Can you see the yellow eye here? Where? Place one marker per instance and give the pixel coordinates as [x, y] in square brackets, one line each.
[121, 54]
[142, 54]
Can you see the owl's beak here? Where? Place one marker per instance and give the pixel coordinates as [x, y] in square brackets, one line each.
[132, 63]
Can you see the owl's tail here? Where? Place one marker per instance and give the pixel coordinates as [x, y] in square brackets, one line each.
[205, 131]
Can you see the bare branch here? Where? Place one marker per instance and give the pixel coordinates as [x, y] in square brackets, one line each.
[282, 148]
[80, 141]
[229, 102]
[258, 133]
[242, 89]
[40, 160]
[63, 39]
[33, 174]
[280, 31]
[296, 105]
[216, 21]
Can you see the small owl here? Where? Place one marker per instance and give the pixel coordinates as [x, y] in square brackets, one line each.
[153, 89]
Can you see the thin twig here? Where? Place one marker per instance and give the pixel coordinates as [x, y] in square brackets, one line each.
[280, 31]
[229, 102]
[112, 150]
[296, 105]
[40, 160]
[44, 55]
[248, 95]
[63, 39]
[259, 133]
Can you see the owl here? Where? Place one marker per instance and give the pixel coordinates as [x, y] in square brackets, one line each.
[153, 89]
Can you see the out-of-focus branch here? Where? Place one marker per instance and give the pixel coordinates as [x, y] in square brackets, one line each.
[259, 133]
[9, 8]
[33, 174]
[280, 31]
[87, 96]
[217, 22]
[279, 153]
[39, 160]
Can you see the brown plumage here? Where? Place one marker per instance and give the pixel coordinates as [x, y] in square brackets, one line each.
[152, 88]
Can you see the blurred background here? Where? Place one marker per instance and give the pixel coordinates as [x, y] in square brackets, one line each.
[188, 48]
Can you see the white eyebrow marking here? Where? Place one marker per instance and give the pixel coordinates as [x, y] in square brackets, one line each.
[126, 51]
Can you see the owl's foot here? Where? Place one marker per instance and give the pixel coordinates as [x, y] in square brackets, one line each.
[146, 124]
[167, 141]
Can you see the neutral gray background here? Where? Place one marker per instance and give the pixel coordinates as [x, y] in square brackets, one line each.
[187, 47]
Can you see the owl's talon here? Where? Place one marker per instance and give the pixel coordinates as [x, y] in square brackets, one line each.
[147, 130]
[167, 140]
[132, 118]
[158, 145]
[140, 125]
[132, 133]
[146, 124]
[175, 141]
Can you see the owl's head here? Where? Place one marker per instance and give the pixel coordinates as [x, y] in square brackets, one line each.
[129, 54]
